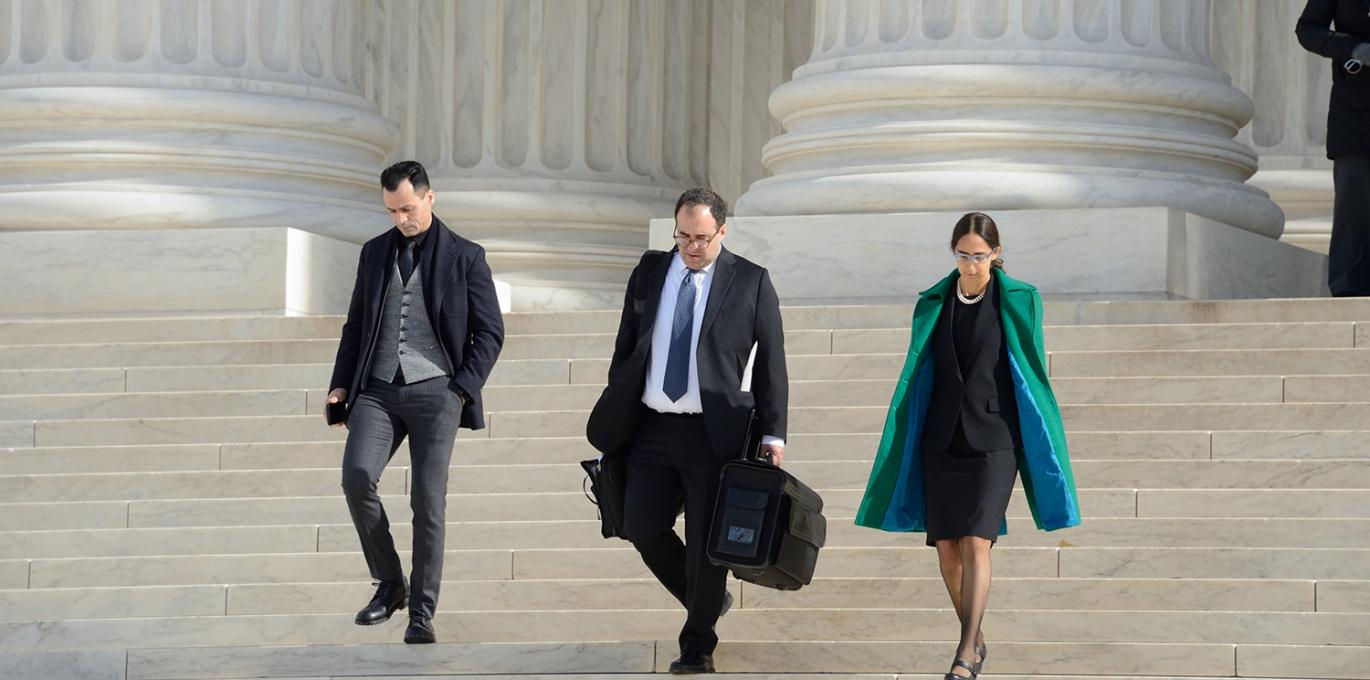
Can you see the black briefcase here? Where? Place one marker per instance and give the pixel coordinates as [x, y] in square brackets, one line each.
[767, 525]
[605, 479]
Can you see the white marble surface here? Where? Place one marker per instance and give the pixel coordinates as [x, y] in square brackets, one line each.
[1097, 252]
[309, 566]
[1290, 88]
[175, 271]
[66, 665]
[16, 433]
[174, 664]
[893, 113]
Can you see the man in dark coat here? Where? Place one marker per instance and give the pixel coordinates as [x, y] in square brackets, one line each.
[677, 408]
[422, 334]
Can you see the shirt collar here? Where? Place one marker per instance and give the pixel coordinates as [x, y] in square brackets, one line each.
[678, 266]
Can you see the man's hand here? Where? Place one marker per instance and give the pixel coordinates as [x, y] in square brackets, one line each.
[334, 397]
[776, 453]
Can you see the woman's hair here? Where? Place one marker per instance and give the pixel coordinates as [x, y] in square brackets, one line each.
[981, 225]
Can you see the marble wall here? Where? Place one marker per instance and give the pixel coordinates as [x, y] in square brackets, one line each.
[554, 130]
[1159, 253]
[1254, 43]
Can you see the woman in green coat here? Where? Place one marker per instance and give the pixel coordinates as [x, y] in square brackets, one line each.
[972, 409]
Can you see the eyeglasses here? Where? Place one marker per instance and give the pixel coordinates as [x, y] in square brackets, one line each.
[686, 241]
[978, 258]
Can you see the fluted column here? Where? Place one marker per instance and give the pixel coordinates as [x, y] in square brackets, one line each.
[1254, 43]
[1005, 104]
[553, 130]
[187, 114]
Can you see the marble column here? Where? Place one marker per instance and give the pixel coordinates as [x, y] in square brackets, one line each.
[757, 46]
[1254, 42]
[552, 130]
[155, 114]
[945, 105]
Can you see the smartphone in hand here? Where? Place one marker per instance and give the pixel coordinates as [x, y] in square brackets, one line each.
[335, 413]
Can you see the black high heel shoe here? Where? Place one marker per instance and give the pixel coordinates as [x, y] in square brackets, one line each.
[981, 650]
[962, 663]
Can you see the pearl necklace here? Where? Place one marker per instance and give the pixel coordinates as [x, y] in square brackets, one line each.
[960, 295]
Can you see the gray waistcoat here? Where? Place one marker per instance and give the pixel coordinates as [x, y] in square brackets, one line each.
[406, 337]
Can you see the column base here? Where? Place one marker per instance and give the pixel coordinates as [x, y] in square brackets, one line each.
[164, 272]
[1113, 253]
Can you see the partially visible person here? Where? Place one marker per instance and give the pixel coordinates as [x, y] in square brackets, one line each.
[972, 409]
[1340, 31]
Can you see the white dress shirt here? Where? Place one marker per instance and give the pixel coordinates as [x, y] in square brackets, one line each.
[653, 394]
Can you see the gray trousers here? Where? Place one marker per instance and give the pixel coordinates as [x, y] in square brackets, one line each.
[382, 416]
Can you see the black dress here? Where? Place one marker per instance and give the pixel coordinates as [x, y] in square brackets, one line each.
[967, 489]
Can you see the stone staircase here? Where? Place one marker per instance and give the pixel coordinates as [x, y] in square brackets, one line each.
[170, 508]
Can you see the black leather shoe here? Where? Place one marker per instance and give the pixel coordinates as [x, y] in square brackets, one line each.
[727, 604]
[692, 662]
[389, 597]
[420, 631]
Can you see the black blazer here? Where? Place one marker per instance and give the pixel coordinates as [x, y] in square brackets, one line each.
[983, 397]
[459, 295]
[1348, 115]
[742, 310]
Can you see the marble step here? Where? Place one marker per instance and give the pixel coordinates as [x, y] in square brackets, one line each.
[325, 454]
[567, 477]
[1207, 362]
[259, 510]
[171, 329]
[169, 353]
[1332, 334]
[523, 424]
[110, 352]
[156, 405]
[1069, 391]
[515, 506]
[1148, 595]
[1056, 312]
[773, 625]
[841, 532]
[803, 393]
[1312, 367]
[584, 534]
[616, 559]
[759, 660]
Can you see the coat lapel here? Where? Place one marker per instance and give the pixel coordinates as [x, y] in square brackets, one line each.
[985, 323]
[437, 267]
[382, 264]
[647, 321]
[945, 318]
[724, 269]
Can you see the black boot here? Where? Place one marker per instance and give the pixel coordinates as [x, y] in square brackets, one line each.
[390, 597]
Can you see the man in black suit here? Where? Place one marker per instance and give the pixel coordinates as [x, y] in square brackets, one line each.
[422, 334]
[677, 407]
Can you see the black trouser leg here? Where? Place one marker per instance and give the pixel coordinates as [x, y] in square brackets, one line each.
[1348, 254]
[672, 457]
[373, 435]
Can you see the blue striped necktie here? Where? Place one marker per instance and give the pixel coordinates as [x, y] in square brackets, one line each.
[677, 378]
